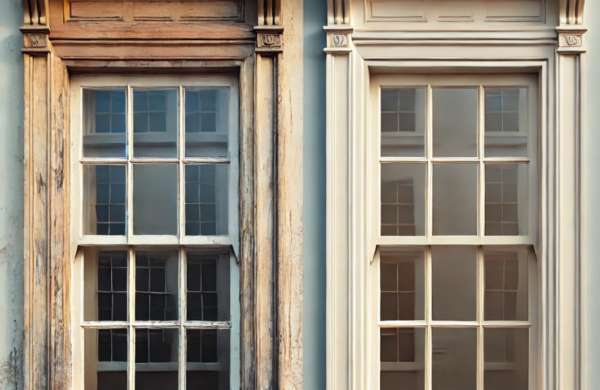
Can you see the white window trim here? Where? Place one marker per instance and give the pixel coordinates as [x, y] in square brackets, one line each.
[350, 246]
[80, 241]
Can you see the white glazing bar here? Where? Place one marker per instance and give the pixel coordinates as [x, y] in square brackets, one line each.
[428, 317]
[481, 173]
[429, 173]
[206, 160]
[129, 178]
[104, 161]
[480, 316]
[402, 241]
[181, 168]
[402, 324]
[182, 318]
[154, 160]
[105, 324]
[451, 160]
[131, 318]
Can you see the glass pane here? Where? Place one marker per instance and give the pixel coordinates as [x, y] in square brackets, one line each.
[105, 359]
[403, 199]
[208, 285]
[506, 357]
[402, 284]
[156, 276]
[155, 199]
[104, 193]
[206, 122]
[455, 122]
[454, 199]
[156, 346]
[207, 346]
[506, 199]
[399, 346]
[455, 366]
[506, 122]
[105, 279]
[104, 122]
[506, 284]
[206, 200]
[155, 122]
[403, 122]
[454, 283]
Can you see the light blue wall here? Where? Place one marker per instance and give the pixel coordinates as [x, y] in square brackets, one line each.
[592, 194]
[11, 195]
[315, 17]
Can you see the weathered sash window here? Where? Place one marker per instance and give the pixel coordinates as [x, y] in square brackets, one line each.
[454, 280]
[155, 282]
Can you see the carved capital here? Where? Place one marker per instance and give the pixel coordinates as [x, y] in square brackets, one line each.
[570, 40]
[338, 39]
[35, 44]
[269, 39]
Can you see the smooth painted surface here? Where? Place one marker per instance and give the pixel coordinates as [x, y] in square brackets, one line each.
[11, 195]
[315, 17]
[591, 296]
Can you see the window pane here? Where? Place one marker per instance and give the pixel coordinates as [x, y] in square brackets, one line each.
[506, 357]
[207, 346]
[399, 346]
[156, 281]
[455, 366]
[454, 122]
[155, 199]
[156, 346]
[104, 206]
[454, 199]
[206, 122]
[506, 122]
[403, 122]
[506, 199]
[402, 273]
[454, 283]
[506, 284]
[208, 285]
[105, 293]
[105, 348]
[104, 123]
[155, 122]
[206, 200]
[402, 199]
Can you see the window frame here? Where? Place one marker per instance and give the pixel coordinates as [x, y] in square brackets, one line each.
[180, 242]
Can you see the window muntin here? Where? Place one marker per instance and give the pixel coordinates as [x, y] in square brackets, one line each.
[478, 327]
[155, 309]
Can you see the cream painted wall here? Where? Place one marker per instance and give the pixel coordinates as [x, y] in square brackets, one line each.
[11, 195]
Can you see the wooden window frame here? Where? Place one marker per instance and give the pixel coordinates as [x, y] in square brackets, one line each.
[354, 55]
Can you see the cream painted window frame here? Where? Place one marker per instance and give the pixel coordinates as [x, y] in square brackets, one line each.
[480, 240]
[130, 241]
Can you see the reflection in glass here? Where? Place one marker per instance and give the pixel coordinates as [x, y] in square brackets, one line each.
[206, 122]
[206, 200]
[402, 284]
[506, 199]
[105, 284]
[155, 121]
[156, 346]
[506, 122]
[398, 346]
[156, 276]
[207, 346]
[455, 199]
[403, 122]
[454, 283]
[104, 123]
[455, 122]
[402, 199]
[155, 199]
[104, 191]
[105, 359]
[506, 359]
[208, 285]
[456, 367]
[506, 284]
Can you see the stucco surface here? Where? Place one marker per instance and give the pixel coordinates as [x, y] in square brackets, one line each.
[11, 195]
